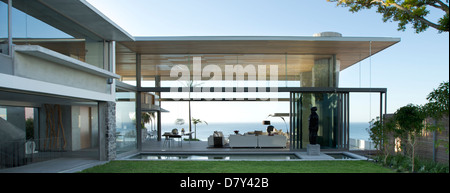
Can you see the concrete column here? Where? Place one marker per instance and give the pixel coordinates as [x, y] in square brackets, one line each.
[325, 72]
[321, 73]
[75, 132]
[325, 75]
[107, 130]
[306, 79]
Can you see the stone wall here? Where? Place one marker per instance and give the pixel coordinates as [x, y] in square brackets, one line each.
[107, 125]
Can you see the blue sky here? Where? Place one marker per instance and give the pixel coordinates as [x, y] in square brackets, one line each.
[409, 69]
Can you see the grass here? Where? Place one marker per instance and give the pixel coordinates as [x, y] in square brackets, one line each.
[239, 167]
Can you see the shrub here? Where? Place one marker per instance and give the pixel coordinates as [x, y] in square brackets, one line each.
[402, 163]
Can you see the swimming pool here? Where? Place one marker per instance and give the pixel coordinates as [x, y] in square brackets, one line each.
[340, 156]
[233, 156]
[146, 156]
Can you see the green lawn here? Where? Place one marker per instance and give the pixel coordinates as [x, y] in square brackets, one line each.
[238, 167]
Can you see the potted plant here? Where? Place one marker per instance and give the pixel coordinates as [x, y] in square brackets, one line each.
[195, 122]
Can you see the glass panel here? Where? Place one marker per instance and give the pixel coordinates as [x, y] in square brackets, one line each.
[312, 71]
[155, 67]
[126, 64]
[327, 109]
[19, 126]
[3, 27]
[27, 30]
[240, 70]
[95, 53]
[126, 138]
[27, 26]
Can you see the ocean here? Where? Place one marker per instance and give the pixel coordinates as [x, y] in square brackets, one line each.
[357, 130]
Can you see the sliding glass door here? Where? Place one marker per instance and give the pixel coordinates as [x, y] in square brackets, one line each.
[332, 119]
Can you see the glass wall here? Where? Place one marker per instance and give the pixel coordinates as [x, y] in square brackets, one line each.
[333, 112]
[126, 64]
[96, 52]
[327, 109]
[29, 30]
[222, 70]
[3, 20]
[126, 135]
[205, 72]
[19, 126]
[3, 28]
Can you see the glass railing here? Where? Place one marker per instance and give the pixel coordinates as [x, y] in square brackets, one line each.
[22, 152]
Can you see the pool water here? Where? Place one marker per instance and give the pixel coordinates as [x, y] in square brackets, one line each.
[215, 157]
[339, 156]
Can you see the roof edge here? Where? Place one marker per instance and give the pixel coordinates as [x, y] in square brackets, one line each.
[262, 38]
[103, 16]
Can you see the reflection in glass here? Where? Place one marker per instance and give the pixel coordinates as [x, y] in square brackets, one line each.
[126, 64]
[126, 138]
[327, 109]
[233, 70]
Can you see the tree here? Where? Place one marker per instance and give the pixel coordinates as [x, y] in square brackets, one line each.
[195, 122]
[379, 133]
[415, 12]
[29, 128]
[410, 121]
[438, 108]
[147, 117]
[190, 84]
[438, 102]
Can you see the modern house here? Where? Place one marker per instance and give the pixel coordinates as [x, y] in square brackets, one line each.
[83, 91]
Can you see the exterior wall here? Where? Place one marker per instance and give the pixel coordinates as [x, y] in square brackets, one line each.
[6, 66]
[431, 145]
[39, 69]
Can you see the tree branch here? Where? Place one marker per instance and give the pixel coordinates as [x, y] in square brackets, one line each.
[443, 6]
[429, 23]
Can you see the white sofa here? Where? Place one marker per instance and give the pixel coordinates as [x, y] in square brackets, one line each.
[243, 141]
[257, 141]
[272, 141]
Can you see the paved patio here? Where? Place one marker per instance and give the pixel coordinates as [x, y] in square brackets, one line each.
[59, 165]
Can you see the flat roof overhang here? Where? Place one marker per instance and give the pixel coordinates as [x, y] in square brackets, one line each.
[77, 18]
[348, 50]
